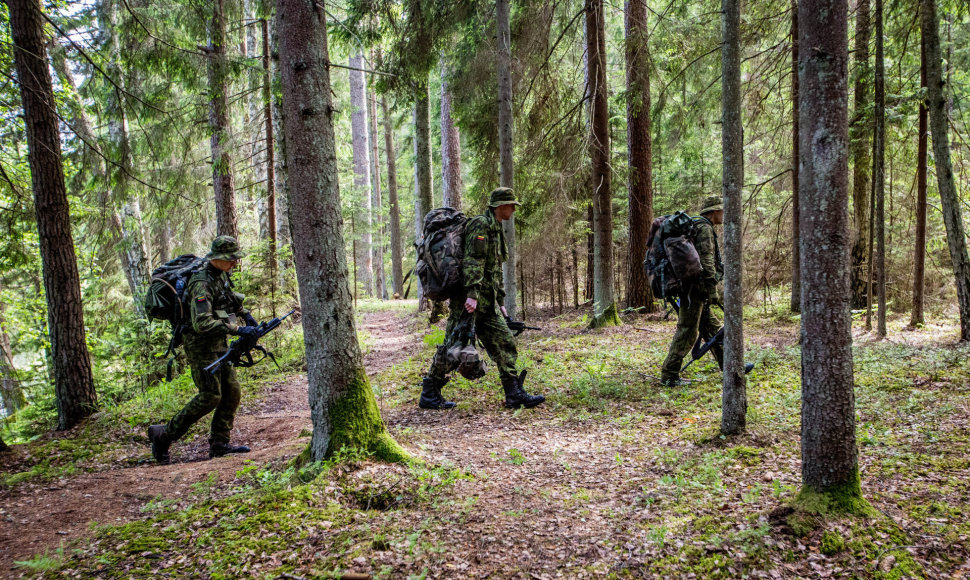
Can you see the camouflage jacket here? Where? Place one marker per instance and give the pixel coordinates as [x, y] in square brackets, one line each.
[705, 242]
[215, 311]
[484, 253]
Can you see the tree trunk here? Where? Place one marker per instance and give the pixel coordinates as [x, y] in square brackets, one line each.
[949, 199]
[919, 252]
[73, 383]
[377, 200]
[362, 215]
[575, 276]
[506, 144]
[397, 252]
[734, 401]
[218, 73]
[10, 388]
[451, 185]
[270, 161]
[796, 278]
[861, 152]
[283, 228]
[423, 200]
[830, 464]
[640, 186]
[342, 404]
[604, 301]
[879, 173]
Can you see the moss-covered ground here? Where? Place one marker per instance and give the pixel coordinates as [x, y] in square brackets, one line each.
[613, 476]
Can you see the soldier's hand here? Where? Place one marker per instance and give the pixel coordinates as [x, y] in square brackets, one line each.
[471, 304]
[505, 312]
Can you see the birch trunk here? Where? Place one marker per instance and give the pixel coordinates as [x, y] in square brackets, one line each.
[342, 404]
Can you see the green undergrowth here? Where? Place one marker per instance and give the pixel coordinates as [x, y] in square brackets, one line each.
[317, 519]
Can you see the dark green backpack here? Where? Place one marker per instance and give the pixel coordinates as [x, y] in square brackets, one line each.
[440, 253]
[165, 299]
[672, 264]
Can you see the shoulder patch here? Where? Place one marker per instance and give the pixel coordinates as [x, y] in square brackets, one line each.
[200, 299]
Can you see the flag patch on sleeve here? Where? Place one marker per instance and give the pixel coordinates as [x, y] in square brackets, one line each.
[200, 299]
[481, 237]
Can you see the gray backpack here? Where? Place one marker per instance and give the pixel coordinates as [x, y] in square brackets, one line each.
[440, 252]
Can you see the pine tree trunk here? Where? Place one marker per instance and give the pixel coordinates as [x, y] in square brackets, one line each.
[861, 151]
[363, 258]
[506, 144]
[397, 251]
[451, 184]
[423, 200]
[640, 186]
[218, 73]
[919, 252]
[377, 200]
[830, 464]
[796, 278]
[270, 166]
[734, 401]
[342, 404]
[283, 229]
[71, 364]
[604, 301]
[949, 198]
[879, 173]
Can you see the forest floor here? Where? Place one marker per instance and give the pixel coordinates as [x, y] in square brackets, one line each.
[613, 476]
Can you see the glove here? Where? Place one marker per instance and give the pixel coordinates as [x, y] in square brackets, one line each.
[250, 320]
[247, 331]
[712, 294]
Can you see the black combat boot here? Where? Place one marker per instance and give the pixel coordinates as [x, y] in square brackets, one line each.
[218, 449]
[515, 395]
[431, 395]
[160, 443]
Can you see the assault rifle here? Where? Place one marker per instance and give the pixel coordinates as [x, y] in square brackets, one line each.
[700, 348]
[517, 326]
[240, 350]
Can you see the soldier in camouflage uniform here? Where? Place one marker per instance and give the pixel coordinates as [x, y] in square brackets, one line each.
[694, 315]
[216, 312]
[483, 297]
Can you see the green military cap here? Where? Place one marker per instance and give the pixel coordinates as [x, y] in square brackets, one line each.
[502, 196]
[225, 248]
[712, 203]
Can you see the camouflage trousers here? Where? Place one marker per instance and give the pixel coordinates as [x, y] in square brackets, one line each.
[693, 318]
[219, 392]
[490, 329]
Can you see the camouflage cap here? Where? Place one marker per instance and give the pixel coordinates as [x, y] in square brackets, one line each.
[712, 203]
[225, 248]
[502, 196]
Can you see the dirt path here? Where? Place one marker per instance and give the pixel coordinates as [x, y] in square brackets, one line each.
[35, 518]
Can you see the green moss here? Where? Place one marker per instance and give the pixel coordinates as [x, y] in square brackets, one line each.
[832, 543]
[610, 317]
[845, 498]
[357, 423]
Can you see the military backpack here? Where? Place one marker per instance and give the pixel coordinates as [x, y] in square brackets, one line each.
[440, 253]
[165, 299]
[672, 263]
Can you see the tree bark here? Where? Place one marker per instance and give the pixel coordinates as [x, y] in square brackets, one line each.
[397, 252]
[861, 152]
[830, 465]
[71, 364]
[284, 231]
[377, 200]
[218, 74]
[506, 144]
[604, 301]
[10, 388]
[423, 200]
[342, 403]
[879, 173]
[270, 160]
[639, 144]
[451, 184]
[734, 401]
[362, 185]
[919, 252]
[949, 199]
[796, 278]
